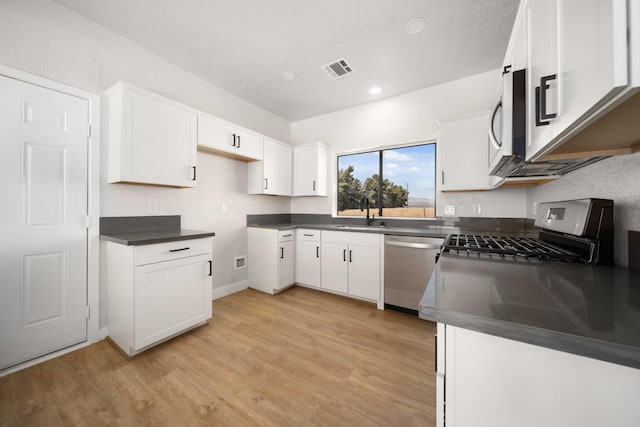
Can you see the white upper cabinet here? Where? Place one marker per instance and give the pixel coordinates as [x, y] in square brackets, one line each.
[271, 175]
[462, 154]
[578, 56]
[225, 138]
[310, 170]
[542, 81]
[152, 140]
[516, 56]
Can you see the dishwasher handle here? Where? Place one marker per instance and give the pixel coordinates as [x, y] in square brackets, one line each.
[412, 245]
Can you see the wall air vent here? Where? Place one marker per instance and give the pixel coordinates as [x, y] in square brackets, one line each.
[338, 69]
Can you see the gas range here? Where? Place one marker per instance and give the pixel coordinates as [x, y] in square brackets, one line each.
[571, 231]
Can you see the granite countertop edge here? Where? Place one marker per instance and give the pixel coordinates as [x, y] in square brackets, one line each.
[579, 345]
[139, 238]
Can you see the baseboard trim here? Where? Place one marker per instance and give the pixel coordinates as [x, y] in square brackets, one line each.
[223, 291]
[103, 333]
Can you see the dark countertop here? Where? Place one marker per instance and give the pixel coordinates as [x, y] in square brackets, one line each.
[137, 238]
[592, 311]
[147, 230]
[396, 231]
[424, 227]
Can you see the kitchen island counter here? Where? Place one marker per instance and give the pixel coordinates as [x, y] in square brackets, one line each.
[592, 311]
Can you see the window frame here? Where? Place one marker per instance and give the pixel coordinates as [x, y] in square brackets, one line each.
[380, 149]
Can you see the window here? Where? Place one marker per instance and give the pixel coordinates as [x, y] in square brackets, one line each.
[397, 182]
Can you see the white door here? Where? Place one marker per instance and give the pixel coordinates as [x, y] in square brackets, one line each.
[286, 264]
[308, 262]
[249, 144]
[364, 271]
[277, 168]
[170, 297]
[216, 134]
[43, 244]
[335, 272]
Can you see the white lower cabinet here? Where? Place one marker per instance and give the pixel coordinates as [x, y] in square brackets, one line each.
[493, 381]
[342, 262]
[308, 261]
[271, 259]
[351, 264]
[157, 291]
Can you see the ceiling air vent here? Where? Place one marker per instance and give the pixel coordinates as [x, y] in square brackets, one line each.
[338, 69]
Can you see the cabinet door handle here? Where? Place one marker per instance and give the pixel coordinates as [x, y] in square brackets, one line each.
[234, 140]
[281, 253]
[314, 185]
[287, 235]
[317, 251]
[350, 257]
[542, 117]
[238, 141]
[307, 235]
[210, 268]
[344, 255]
[178, 250]
[194, 173]
[266, 183]
[442, 177]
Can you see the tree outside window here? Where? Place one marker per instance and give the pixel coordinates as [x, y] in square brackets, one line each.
[399, 182]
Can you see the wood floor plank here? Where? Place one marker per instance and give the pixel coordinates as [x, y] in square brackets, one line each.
[302, 357]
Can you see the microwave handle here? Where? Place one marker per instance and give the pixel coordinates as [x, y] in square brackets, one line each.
[492, 135]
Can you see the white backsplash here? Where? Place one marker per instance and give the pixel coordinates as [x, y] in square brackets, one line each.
[616, 178]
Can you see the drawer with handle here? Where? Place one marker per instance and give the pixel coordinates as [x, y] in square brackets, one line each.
[285, 235]
[308, 235]
[159, 252]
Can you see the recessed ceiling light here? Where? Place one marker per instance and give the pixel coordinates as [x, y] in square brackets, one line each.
[375, 90]
[289, 75]
[415, 26]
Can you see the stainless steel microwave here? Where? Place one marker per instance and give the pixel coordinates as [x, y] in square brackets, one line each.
[508, 135]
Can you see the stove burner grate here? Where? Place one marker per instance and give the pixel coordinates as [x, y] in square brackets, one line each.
[507, 246]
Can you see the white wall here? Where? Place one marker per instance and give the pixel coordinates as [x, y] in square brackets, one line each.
[43, 38]
[615, 178]
[405, 119]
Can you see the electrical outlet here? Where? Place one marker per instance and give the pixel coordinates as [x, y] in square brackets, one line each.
[449, 210]
[239, 262]
[152, 207]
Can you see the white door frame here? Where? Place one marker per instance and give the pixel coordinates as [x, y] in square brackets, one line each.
[93, 199]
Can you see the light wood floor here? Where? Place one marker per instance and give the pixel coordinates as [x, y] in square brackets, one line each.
[299, 358]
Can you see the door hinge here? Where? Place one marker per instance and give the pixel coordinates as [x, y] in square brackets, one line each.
[88, 313]
[87, 221]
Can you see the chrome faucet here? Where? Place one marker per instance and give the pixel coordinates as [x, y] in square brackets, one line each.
[364, 203]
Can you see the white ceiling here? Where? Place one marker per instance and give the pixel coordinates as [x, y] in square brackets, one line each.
[244, 46]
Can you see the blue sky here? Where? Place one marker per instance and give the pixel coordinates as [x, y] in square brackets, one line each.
[413, 165]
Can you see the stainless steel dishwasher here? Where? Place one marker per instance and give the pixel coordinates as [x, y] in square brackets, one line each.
[408, 264]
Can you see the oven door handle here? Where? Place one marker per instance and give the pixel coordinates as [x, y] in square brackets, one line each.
[413, 245]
